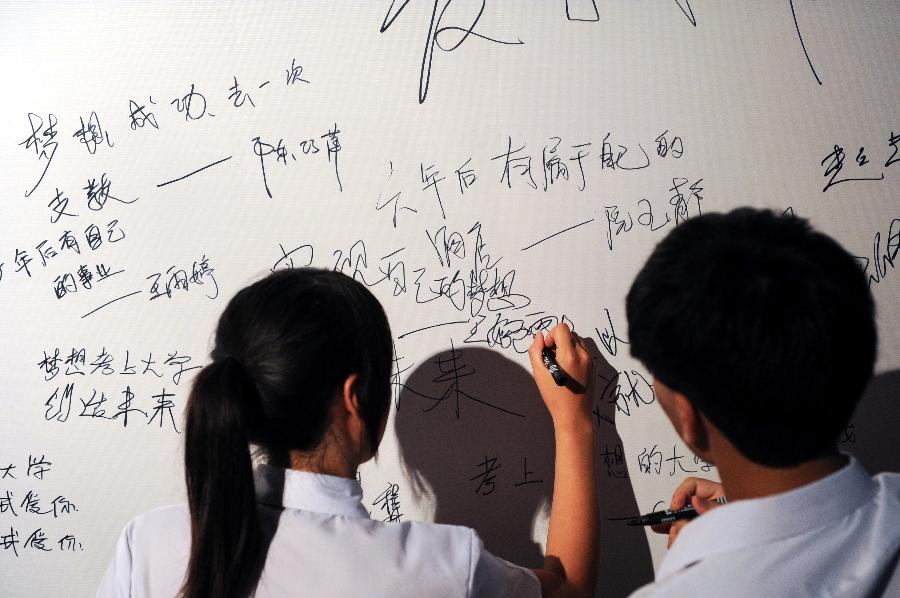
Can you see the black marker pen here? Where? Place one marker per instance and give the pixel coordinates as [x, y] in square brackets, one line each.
[550, 362]
[668, 516]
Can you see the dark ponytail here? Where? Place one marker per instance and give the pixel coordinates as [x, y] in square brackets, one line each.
[283, 348]
[225, 549]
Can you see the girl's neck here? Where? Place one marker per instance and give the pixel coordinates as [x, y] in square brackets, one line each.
[323, 461]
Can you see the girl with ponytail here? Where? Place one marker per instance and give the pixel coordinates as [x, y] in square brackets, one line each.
[300, 370]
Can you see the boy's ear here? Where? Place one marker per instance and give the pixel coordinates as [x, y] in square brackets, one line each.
[691, 425]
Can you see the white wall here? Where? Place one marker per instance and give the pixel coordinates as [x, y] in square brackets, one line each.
[754, 126]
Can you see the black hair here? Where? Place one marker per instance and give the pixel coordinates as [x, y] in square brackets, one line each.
[283, 348]
[766, 325]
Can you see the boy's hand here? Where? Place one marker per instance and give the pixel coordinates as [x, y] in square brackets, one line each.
[697, 492]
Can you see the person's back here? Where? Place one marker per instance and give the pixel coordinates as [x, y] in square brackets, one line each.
[839, 536]
[320, 542]
[761, 337]
[300, 371]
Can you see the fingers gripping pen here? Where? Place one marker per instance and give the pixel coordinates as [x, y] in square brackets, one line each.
[549, 360]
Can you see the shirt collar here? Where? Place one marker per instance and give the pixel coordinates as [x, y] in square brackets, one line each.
[758, 521]
[318, 492]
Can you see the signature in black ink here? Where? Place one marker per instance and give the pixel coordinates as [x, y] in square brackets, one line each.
[98, 193]
[140, 116]
[627, 389]
[836, 163]
[394, 199]
[41, 141]
[192, 104]
[68, 282]
[58, 206]
[303, 254]
[685, 6]
[193, 172]
[238, 96]
[91, 133]
[608, 337]
[435, 30]
[263, 149]
[294, 73]
[583, 10]
[452, 370]
[179, 279]
[334, 146]
[803, 44]
[883, 257]
[430, 179]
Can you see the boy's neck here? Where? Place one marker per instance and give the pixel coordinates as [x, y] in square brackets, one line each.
[743, 479]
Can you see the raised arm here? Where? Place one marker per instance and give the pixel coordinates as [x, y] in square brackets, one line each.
[570, 562]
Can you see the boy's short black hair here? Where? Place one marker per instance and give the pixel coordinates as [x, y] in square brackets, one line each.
[766, 325]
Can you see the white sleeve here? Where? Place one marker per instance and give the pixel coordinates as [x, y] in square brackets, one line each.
[116, 583]
[492, 577]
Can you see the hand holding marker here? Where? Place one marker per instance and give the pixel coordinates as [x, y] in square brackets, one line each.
[668, 516]
[550, 363]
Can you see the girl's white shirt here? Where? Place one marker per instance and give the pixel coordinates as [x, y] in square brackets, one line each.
[323, 543]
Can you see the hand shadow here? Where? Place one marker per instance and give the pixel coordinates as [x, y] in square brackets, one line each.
[472, 428]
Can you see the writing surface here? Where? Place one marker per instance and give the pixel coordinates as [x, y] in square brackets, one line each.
[487, 169]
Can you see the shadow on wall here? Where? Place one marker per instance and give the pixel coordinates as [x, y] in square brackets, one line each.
[472, 427]
[872, 433]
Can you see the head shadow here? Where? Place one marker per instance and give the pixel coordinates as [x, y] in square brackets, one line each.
[871, 435]
[473, 431]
